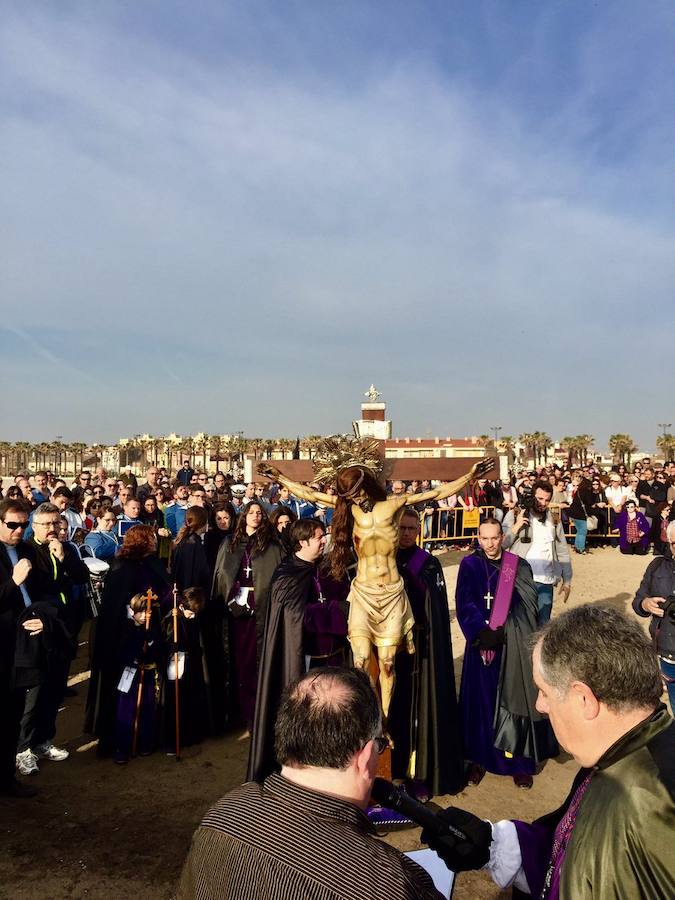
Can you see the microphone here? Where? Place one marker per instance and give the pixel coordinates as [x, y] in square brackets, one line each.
[387, 794]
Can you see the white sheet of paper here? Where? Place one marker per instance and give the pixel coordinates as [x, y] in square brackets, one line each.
[171, 668]
[127, 679]
[431, 862]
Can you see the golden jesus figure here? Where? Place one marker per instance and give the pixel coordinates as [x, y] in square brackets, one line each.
[380, 615]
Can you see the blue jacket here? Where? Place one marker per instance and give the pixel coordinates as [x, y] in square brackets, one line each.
[174, 517]
[302, 508]
[104, 544]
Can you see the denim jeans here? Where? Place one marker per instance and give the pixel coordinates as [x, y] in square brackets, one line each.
[668, 669]
[544, 601]
[580, 536]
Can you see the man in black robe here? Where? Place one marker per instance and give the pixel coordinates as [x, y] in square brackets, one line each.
[423, 719]
[303, 630]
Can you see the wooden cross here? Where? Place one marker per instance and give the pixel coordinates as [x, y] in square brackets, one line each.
[149, 598]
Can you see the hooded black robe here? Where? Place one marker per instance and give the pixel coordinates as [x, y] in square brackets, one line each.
[286, 644]
[423, 716]
[228, 564]
[126, 578]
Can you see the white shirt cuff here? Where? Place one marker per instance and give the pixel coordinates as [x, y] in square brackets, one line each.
[506, 863]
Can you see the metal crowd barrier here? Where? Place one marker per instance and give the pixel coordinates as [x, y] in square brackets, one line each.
[460, 525]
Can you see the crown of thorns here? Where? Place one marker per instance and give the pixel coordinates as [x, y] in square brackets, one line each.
[342, 451]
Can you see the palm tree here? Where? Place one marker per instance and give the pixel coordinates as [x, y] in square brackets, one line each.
[622, 446]
[528, 440]
[544, 443]
[505, 444]
[285, 445]
[584, 444]
[21, 450]
[568, 443]
[666, 443]
[216, 443]
[5, 450]
[78, 449]
[311, 443]
[268, 449]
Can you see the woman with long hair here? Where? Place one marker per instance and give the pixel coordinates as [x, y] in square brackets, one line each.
[242, 581]
[580, 508]
[281, 520]
[135, 570]
[221, 523]
[189, 565]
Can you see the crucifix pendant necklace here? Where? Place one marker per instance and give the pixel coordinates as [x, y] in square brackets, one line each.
[488, 596]
[247, 564]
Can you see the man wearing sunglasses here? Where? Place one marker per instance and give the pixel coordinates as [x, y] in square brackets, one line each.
[57, 566]
[16, 587]
[303, 832]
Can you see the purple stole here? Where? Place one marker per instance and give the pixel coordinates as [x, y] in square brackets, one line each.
[415, 565]
[499, 612]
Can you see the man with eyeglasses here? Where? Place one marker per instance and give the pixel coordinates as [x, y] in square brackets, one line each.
[303, 832]
[83, 481]
[16, 590]
[56, 567]
[111, 489]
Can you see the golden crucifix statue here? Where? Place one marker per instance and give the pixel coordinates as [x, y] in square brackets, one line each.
[380, 615]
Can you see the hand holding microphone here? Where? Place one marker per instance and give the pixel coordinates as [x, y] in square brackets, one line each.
[461, 839]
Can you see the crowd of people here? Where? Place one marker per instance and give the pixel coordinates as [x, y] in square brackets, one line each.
[628, 509]
[207, 600]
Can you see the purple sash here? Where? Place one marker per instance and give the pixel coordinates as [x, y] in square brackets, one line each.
[503, 595]
[416, 563]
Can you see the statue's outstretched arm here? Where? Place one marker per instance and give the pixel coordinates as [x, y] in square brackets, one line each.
[299, 490]
[453, 487]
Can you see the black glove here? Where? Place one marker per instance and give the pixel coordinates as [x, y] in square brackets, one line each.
[668, 607]
[471, 850]
[490, 640]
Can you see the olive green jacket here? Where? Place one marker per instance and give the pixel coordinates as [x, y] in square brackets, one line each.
[622, 846]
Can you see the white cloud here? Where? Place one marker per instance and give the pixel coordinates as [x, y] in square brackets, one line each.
[214, 211]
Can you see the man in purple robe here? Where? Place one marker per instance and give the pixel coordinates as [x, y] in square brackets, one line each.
[496, 601]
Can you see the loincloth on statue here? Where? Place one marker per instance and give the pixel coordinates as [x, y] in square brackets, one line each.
[379, 612]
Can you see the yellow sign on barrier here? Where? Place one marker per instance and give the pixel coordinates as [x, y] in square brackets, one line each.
[471, 518]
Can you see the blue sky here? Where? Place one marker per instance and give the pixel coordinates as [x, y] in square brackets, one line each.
[222, 216]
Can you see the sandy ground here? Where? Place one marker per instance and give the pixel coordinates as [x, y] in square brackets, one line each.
[98, 830]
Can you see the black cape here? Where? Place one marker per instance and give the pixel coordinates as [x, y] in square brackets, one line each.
[228, 564]
[423, 716]
[190, 568]
[282, 659]
[193, 707]
[518, 727]
[126, 578]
